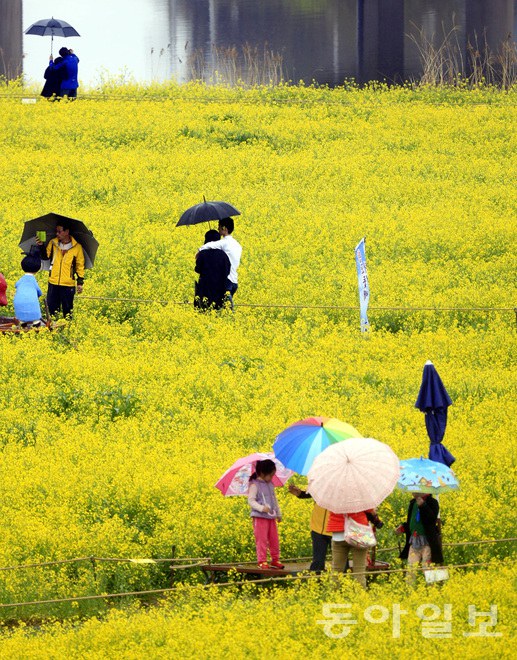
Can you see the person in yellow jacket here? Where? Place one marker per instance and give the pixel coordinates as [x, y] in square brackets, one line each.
[66, 269]
[321, 539]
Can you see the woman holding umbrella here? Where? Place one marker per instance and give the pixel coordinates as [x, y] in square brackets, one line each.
[423, 478]
[350, 479]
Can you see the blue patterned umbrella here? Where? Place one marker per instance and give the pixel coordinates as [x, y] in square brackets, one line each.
[420, 475]
[434, 401]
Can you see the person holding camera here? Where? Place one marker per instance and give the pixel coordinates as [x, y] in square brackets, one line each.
[66, 270]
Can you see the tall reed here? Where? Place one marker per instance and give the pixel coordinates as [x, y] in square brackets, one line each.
[444, 64]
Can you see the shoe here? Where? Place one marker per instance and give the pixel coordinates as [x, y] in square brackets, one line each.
[276, 564]
[263, 564]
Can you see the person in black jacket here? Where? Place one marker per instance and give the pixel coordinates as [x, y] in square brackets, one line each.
[423, 538]
[53, 78]
[213, 267]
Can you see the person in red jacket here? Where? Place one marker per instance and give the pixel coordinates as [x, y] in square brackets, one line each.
[341, 549]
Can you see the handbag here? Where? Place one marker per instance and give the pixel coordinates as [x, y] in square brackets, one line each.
[358, 535]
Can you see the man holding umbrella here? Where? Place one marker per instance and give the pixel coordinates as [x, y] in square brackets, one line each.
[231, 248]
[66, 268]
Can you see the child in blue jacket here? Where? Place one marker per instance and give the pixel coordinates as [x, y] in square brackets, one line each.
[26, 303]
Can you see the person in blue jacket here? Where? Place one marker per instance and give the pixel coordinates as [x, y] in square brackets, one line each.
[68, 67]
[26, 304]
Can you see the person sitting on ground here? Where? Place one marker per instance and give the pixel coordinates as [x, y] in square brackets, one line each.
[213, 267]
[26, 304]
[423, 541]
[232, 248]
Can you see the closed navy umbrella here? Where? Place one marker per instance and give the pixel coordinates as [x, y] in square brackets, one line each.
[433, 400]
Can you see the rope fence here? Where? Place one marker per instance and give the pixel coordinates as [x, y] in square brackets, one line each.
[249, 100]
[92, 558]
[196, 561]
[455, 545]
[319, 307]
[286, 578]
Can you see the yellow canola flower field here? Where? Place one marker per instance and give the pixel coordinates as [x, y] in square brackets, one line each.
[305, 619]
[114, 430]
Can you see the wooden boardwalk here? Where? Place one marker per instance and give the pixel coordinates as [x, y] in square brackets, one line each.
[292, 567]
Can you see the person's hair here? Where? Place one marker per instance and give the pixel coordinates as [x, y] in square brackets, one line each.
[31, 263]
[64, 51]
[264, 468]
[228, 223]
[212, 235]
[63, 223]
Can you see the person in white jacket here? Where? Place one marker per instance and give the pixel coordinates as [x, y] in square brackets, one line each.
[232, 248]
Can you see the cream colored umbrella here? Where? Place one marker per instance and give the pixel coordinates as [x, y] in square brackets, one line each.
[353, 475]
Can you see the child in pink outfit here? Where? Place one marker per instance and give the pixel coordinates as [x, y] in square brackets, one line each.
[265, 512]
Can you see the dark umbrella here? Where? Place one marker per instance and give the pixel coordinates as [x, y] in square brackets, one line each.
[207, 211]
[48, 223]
[433, 400]
[53, 27]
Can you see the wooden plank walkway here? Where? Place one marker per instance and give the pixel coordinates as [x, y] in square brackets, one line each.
[292, 567]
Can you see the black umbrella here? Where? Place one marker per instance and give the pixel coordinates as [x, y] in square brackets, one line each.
[48, 224]
[53, 27]
[207, 211]
[433, 400]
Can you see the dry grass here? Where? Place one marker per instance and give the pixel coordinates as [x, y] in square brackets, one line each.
[443, 62]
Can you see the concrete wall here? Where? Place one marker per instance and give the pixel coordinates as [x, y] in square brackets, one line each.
[11, 38]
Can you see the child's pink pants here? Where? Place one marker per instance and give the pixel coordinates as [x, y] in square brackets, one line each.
[266, 536]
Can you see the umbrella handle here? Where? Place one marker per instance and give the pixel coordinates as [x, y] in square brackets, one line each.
[271, 513]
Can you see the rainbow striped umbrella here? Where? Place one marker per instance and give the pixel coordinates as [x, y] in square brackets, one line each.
[300, 443]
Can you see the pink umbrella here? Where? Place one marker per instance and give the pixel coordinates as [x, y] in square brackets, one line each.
[353, 475]
[235, 481]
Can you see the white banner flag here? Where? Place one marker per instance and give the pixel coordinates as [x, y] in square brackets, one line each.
[364, 286]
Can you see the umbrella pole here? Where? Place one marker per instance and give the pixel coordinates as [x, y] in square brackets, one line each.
[52, 44]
